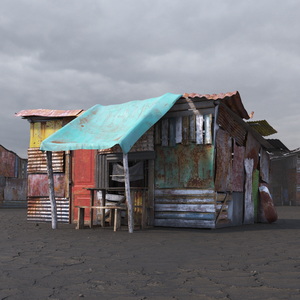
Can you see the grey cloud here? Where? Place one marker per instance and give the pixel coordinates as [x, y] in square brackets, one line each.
[73, 54]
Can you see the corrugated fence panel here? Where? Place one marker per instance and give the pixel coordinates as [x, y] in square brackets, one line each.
[7, 163]
[39, 209]
[37, 161]
[15, 191]
[185, 208]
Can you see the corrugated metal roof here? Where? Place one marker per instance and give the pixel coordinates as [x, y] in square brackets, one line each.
[52, 113]
[262, 127]
[230, 99]
[277, 144]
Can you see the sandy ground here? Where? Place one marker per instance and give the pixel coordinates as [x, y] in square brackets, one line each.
[258, 261]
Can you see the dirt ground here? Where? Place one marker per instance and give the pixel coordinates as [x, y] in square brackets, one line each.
[260, 261]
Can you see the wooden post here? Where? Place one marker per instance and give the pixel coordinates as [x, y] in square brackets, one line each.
[127, 193]
[51, 190]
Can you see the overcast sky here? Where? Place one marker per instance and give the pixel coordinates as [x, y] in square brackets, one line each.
[72, 54]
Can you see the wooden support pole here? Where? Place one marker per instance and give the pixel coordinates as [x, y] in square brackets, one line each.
[127, 193]
[51, 190]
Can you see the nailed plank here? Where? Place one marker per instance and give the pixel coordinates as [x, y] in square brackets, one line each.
[165, 132]
[199, 129]
[157, 133]
[223, 161]
[238, 174]
[185, 216]
[208, 129]
[185, 207]
[178, 130]
[182, 192]
[172, 132]
[185, 223]
[193, 128]
[186, 200]
[185, 130]
[264, 165]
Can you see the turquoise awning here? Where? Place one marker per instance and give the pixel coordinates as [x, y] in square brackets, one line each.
[102, 127]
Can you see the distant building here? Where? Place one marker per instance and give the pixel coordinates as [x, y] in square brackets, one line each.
[13, 179]
[285, 174]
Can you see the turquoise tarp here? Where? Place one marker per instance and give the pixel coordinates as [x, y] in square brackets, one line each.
[102, 127]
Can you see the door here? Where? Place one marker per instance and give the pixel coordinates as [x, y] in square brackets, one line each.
[83, 176]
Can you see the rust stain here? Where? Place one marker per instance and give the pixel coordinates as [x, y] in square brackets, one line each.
[48, 113]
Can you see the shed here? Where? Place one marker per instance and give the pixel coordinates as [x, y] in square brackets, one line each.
[198, 163]
[13, 179]
[285, 174]
[43, 123]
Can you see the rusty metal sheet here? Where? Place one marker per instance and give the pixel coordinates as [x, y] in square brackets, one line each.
[37, 161]
[223, 161]
[262, 127]
[237, 131]
[48, 113]
[7, 163]
[238, 173]
[39, 209]
[184, 166]
[38, 185]
[231, 100]
[264, 165]
[248, 202]
[252, 150]
[255, 192]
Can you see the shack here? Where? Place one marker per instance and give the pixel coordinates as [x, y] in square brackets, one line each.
[192, 158]
[13, 179]
[43, 123]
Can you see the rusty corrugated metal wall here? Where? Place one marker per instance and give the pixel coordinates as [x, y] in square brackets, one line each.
[13, 179]
[39, 209]
[284, 180]
[184, 167]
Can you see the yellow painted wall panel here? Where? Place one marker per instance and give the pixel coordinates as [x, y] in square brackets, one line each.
[41, 130]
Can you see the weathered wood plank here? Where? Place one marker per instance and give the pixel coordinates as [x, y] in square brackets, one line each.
[185, 216]
[186, 200]
[165, 132]
[199, 129]
[185, 223]
[208, 129]
[178, 130]
[157, 133]
[183, 192]
[185, 207]
[185, 130]
[193, 128]
[172, 132]
[196, 105]
[188, 113]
